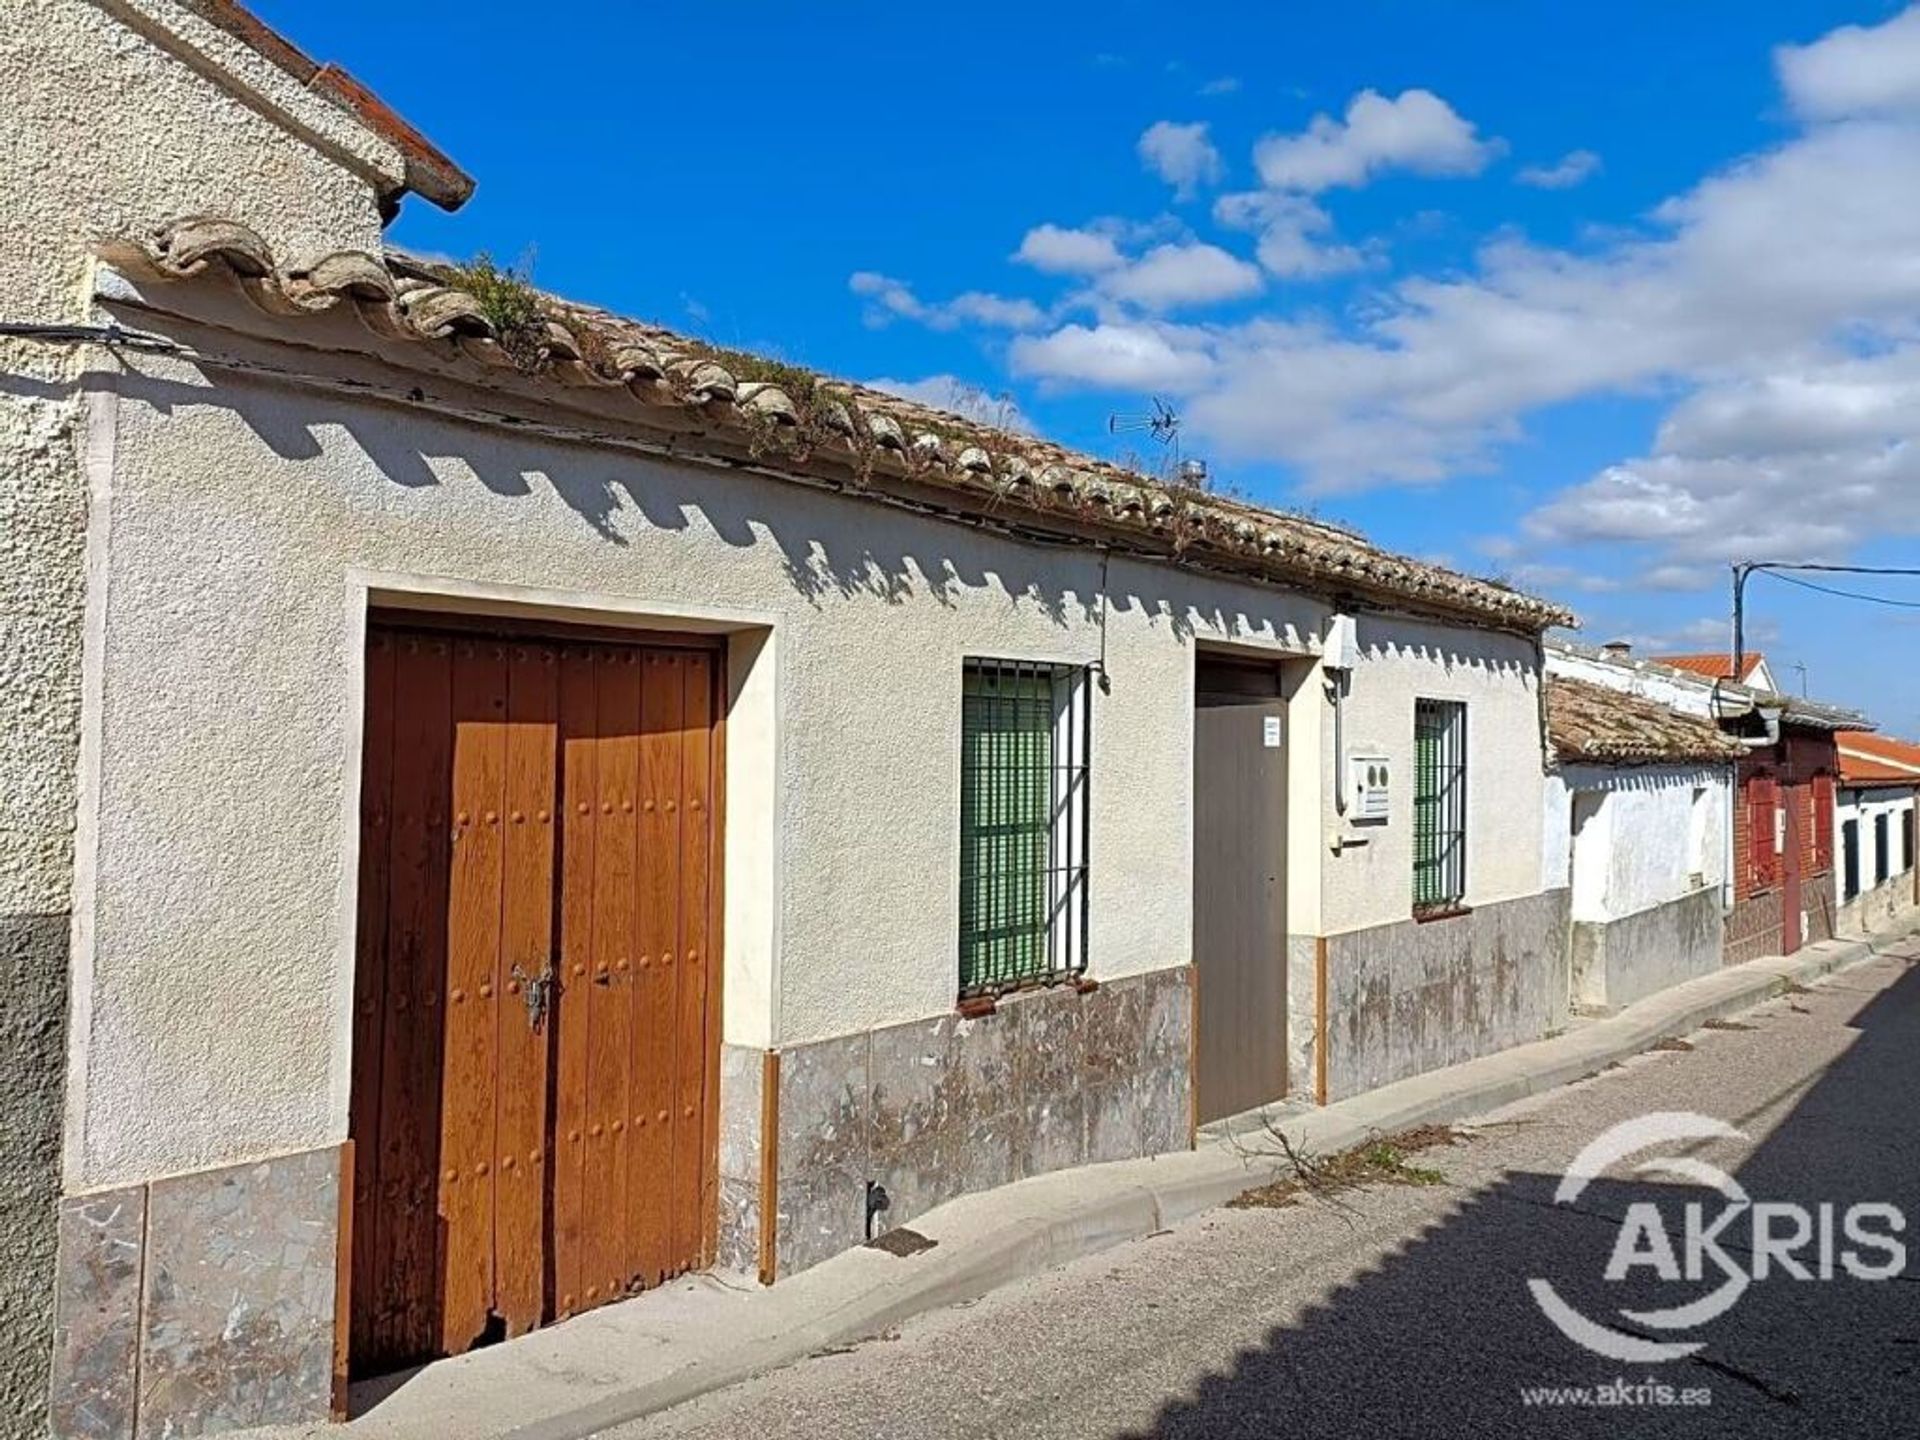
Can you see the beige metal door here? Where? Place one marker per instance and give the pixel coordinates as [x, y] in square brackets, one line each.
[1239, 888]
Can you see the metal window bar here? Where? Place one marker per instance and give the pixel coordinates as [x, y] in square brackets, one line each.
[1025, 733]
[1439, 803]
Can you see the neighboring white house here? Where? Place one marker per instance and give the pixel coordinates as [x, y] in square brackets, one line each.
[1637, 812]
[1874, 822]
[570, 805]
[1780, 847]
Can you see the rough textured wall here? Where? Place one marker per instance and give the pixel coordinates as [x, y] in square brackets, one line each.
[42, 540]
[1497, 676]
[104, 133]
[1412, 997]
[1878, 908]
[242, 513]
[33, 950]
[947, 1106]
[238, 515]
[1619, 961]
[109, 132]
[1645, 849]
[1754, 928]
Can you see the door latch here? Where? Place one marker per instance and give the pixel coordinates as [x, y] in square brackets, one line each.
[537, 992]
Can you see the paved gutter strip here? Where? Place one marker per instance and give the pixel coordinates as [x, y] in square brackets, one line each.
[991, 1239]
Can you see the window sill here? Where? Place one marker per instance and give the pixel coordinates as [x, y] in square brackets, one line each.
[974, 1007]
[1425, 914]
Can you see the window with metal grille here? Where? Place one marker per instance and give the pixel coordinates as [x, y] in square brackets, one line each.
[1439, 803]
[1025, 730]
[1882, 850]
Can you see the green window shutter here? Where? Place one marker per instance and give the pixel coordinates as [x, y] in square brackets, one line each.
[1006, 760]
[1439, 802]
[1426, 808]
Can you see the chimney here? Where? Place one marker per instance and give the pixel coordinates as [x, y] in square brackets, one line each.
[1618, 649]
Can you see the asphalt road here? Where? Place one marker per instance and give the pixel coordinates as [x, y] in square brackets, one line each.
[1406, 1310]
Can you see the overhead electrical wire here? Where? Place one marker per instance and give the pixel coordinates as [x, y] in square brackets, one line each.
[1853, 594]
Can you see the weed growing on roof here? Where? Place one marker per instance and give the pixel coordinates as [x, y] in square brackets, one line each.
[596, 348]
[756, 369]
[825, 415]
[512, 306]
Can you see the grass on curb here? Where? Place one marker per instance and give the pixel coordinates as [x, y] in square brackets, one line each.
[1382, 1160]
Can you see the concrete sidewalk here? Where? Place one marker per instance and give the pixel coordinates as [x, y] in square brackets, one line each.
[707, 1332]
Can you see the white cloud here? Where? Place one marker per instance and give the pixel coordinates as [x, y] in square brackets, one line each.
[1114, 356]
[1001, 312]
[1415, 131]
[1565, 173]
[1800, 464]
[1170, 276]
[1708, 632]
[958, 397]
[1058, 250]
[889, 296]
[1855, 70]
[1293, 233]
[1181, 155]
[1224, 85]
[890, 299]
[1774, 309]
[1756, 272]
[1771, 312]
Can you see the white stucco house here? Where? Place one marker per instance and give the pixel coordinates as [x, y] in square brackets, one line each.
[1780, 850]
[1637, 816]
[1874, 822]
[520, 804]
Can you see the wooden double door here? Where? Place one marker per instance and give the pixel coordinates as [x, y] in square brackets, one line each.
[536, 1006]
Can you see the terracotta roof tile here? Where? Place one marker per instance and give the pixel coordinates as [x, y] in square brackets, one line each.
[1715, 666]
[1728, 700]
[1590, 723]
[1867, 758]
[1857, 771]
[788, 420]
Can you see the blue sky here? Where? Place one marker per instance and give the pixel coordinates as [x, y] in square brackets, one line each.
[1593, 298]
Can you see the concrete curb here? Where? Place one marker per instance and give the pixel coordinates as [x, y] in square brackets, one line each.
[991, 1239]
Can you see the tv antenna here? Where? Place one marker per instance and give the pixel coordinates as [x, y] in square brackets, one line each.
[1162, 423]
